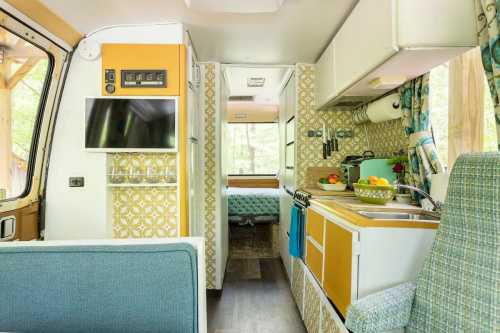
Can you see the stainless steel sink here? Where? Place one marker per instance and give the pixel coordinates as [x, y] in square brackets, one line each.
[399, 216]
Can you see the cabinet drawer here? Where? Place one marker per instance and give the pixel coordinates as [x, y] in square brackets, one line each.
[314, 260]
[338, 266]
[314, 226]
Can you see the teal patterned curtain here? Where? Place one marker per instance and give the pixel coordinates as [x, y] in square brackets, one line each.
[488, 23]
[422, 152]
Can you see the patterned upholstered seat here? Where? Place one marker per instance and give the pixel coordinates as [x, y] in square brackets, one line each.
[458, 289]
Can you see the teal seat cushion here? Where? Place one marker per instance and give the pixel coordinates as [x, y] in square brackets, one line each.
[120, 288]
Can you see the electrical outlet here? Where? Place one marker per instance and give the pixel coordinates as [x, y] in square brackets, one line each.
[76, 182]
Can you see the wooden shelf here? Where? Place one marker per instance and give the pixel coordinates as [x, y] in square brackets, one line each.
[142, 185]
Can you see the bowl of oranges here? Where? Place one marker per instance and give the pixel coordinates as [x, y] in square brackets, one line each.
[332, 183]
[374, 190]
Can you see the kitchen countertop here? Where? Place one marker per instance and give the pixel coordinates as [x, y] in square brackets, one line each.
[317, 192]
[347, 208]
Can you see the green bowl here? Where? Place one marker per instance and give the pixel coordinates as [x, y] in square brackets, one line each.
[374, 194]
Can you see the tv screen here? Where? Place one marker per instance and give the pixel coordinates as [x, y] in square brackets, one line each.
[119, 123]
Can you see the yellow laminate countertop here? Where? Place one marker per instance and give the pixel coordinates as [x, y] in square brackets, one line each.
[347, 209]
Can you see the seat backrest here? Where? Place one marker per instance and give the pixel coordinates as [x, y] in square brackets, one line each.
[458, 289]
[99, 288]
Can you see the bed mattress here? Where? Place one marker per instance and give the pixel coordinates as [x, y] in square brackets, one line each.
[253, 201]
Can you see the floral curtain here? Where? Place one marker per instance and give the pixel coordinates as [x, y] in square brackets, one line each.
[488, 23]
[422, 153]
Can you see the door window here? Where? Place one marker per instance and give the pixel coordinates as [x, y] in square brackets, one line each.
[24, 69]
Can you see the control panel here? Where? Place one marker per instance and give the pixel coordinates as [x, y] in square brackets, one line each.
[144, 78]
[141, 69]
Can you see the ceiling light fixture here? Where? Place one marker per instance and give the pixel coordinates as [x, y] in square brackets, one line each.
[256, 82]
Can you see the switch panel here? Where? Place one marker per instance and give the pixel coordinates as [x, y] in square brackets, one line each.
[110, 79]
[144, 78]
[76, 182]
[7, 228]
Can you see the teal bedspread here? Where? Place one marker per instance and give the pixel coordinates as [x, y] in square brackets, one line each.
[253, 201]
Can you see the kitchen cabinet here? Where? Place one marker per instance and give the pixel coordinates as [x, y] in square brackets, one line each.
[287, 110]
[287, 134]
[317, 312]
[351, 256]
[325, 78]
[290, 89]
[340, 266]
[365, 40]
[315, 226]
[394, 39]
[314, 259]
[290, 131]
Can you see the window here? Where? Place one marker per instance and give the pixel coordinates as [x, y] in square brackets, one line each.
[253, 149]
[440, 95]
[23, 70]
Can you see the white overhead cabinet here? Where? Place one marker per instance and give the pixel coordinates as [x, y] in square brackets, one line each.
[384, 43]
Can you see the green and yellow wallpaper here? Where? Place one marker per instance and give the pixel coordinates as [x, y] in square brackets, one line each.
[209, 170]
[382, 138]
[143, 212]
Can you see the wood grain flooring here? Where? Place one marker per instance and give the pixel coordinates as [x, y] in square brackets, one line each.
[256, 299]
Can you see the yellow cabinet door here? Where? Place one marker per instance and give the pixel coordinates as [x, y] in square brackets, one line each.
[314, 260]
[314, 225]
[338, 266]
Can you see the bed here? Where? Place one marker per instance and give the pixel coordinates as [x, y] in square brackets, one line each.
[253, 205]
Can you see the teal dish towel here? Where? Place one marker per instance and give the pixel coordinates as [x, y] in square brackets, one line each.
[296, 240]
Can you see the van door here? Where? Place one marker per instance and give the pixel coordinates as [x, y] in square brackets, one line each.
[32, 69]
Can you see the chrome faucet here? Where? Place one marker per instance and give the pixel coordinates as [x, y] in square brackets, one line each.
[437, 205]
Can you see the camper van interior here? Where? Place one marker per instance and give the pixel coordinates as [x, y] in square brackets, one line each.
[234, 166]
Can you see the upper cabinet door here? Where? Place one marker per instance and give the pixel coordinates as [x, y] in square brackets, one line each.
[290, 98]
[365, 41]
[325, 76]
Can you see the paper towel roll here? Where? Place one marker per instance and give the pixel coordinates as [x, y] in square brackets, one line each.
[439, 186]
[384, 109]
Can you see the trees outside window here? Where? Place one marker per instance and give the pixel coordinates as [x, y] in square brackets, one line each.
[253, 149]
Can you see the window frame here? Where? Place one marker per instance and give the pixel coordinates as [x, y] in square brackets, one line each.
[38, 118]
[57, 66]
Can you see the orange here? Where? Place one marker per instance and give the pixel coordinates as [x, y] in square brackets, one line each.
[373, 180]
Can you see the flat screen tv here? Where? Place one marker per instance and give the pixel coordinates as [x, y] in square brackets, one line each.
[130, 124]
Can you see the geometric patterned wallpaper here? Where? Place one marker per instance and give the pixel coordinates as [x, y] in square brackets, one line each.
[383, 138]
[387, 137]
[309, 150]
[144, 212]
[209, 170]
[312, 307]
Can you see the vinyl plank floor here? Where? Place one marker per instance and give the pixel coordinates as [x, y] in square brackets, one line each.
[256, 299]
